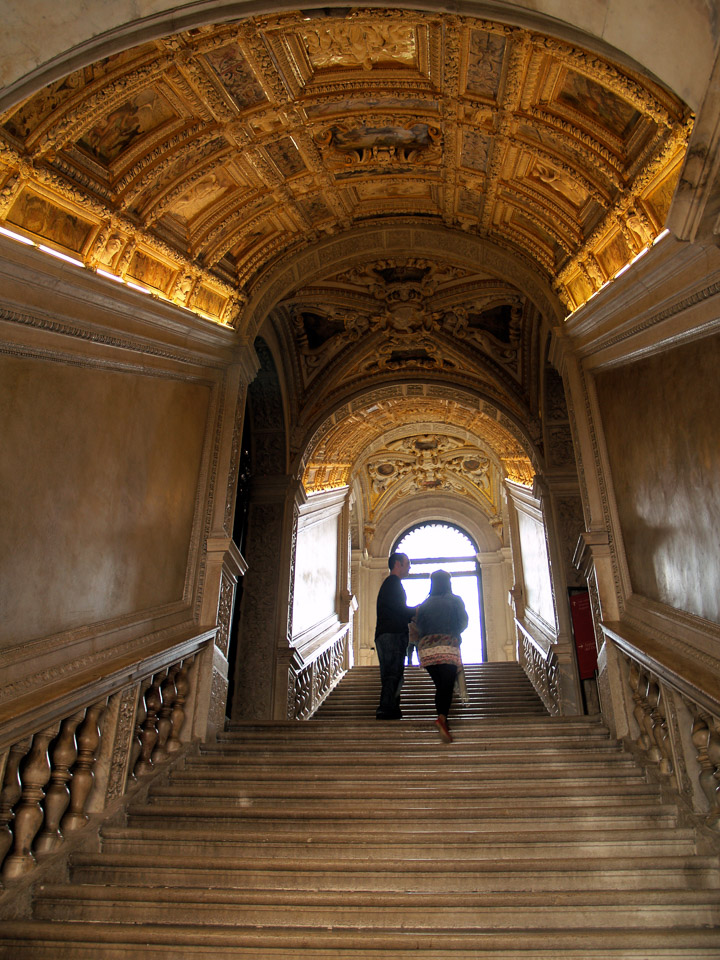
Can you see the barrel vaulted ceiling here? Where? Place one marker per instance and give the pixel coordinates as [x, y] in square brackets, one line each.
[199, 165]
[191, 163]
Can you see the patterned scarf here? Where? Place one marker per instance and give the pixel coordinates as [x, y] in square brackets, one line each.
[436, 648]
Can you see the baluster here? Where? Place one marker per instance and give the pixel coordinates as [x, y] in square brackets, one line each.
[149, 733]
[713, 753]
[168, 693]
[136, 746]
[83, 777]
[636, 685]
[651, 700]
[10, 793]
[660, 731]
[57, 797]
[701, 735]
[182, 686]
[34, 774]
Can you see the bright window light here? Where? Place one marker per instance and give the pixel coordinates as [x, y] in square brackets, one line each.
[61, 256]
[424, 545]
[17, 236]
[111, 276]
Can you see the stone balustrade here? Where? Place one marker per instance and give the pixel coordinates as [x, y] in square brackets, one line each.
[312, 679]
[542, 667]
[676, 731]
[80, 764]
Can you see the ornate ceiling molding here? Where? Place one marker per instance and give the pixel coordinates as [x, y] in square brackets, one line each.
[368, 428]
[202, 164]
[401, 238]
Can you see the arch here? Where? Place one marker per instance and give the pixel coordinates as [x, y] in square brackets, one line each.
[390, 239]
[428, 509]
[417, 525]
[347, 425]
[75, 33]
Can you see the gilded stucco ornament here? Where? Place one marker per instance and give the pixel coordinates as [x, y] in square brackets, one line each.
[218, 152]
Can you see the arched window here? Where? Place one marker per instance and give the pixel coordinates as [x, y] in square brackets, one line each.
[434, 546]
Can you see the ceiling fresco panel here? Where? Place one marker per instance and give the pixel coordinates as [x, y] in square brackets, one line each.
[236, 76]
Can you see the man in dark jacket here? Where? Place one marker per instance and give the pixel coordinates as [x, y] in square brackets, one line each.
[391, 636]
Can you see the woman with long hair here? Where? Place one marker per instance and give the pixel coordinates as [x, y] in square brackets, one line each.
[440, 621]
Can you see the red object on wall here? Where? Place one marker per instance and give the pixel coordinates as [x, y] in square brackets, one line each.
[584, 633]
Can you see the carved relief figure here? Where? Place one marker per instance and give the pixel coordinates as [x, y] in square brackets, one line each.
[109, 253]
[485, 55]
[199, 196]
[360, 44]
[560, 182]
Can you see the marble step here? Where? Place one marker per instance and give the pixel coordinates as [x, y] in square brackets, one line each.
[388, 736]
[257, 873]
[592, 771]
[410, 821]
[367, 910]
[159, 838]
[538, 797]
[510, 727]
[36, 940]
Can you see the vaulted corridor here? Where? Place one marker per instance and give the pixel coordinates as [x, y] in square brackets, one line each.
[277, 286]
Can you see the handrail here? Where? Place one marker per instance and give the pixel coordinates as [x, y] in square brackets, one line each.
[541, 667]
[26, 714]
[316, 671]
[673, 710]
[76, 753]
[687, 676]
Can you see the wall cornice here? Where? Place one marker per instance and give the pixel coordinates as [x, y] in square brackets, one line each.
[43, 292]
[667, 296]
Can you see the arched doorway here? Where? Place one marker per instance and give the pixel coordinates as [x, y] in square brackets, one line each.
[436, 545]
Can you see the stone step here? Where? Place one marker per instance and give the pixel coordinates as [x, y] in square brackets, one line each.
[409, 820]
[546, 727]
[158, 838]
[366, 911]
[385, 735]
[35, 940]
[537, 798]
[256, 873]
[530, 838]
[591, 771]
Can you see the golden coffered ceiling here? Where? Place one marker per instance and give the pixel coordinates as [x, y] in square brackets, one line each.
[189, 165]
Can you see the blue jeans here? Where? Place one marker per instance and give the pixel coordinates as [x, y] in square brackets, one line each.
[391, 649]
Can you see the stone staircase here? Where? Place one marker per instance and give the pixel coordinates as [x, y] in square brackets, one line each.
[530, 837]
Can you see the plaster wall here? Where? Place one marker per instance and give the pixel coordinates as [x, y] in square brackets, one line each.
[98, 479]
[316, 573]
[536, 567]
[497, 580]
[42, 40]
[667, 487]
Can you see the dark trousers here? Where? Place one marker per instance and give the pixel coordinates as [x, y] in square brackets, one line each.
[443, 676]
[391, 649]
